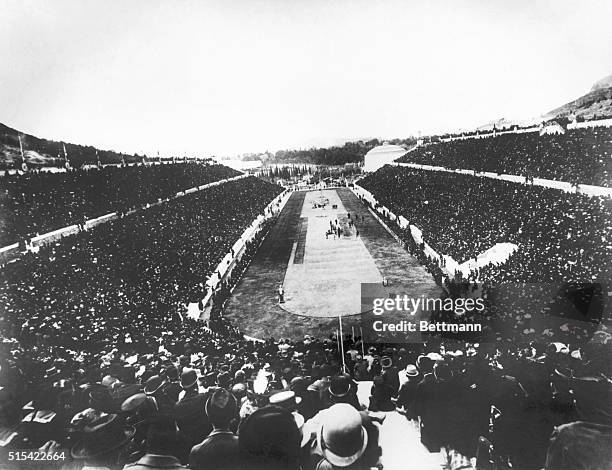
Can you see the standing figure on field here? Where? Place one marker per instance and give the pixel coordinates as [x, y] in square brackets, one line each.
[281, 294]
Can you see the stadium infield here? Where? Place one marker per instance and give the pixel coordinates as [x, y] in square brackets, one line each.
[321, 275]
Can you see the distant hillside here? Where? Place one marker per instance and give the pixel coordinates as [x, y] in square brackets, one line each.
[42, 152]
[596, 104]
[603, 83]
[350, 152]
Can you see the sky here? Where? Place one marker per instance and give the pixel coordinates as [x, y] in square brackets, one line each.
[234, 76]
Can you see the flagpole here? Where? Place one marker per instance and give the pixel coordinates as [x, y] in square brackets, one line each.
[24, 166]
[20, 147]
[362, 342]
[66, 162]
[342, 343]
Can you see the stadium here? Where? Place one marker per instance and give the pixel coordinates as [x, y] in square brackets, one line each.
[439, 301]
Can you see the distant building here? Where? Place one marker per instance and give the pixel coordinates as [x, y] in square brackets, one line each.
[552, 128]
[382, 155]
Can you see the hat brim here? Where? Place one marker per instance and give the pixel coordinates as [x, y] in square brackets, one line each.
[422, 358]
[340, 395]
[79, 452]
[339, 460]
[152, 392]
[189, 385]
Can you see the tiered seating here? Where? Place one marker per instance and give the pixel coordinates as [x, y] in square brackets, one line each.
[561, 236]
[91, 323]
[579, 156]
[552, 286]
[35, 203]
[132, 274]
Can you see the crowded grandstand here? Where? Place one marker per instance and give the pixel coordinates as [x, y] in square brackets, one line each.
[97, 335]
[577, 156]
[309, 308]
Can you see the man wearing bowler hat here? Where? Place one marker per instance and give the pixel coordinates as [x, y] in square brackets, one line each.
[161, 447]
[154, 388]
[343, 441]
[172, 387]
[390, 375]
[270, 440]
[220, 449]
[342, 389]
[407, 393]
[105, 443]
[189, 412]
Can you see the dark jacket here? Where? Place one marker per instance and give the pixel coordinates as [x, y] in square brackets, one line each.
[407, 398]
[217, 452]
[191, 419]
[172, 390]
[150, 461]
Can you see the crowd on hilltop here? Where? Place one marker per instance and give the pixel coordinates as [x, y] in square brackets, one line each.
[580, 156]
[37, 202]
[560, 236]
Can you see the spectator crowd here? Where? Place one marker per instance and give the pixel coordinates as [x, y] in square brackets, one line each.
[128, 280]
[101, 368]
[560, 236]
[555, 284]
[580, 156]
[38, 202]
[229, 403]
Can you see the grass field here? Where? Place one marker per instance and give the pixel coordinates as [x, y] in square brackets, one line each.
[322, 276]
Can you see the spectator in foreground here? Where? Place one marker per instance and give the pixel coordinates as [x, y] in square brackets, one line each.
[106, 443]
[580, 445]
[407, 393]
[220, 449]
[161, 446]
[343, 441]
[270, 440]
[190, 412]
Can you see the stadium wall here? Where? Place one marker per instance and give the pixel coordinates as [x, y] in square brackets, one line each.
[586, 189]
[450, 265]
[228, 263]
[497, 254]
